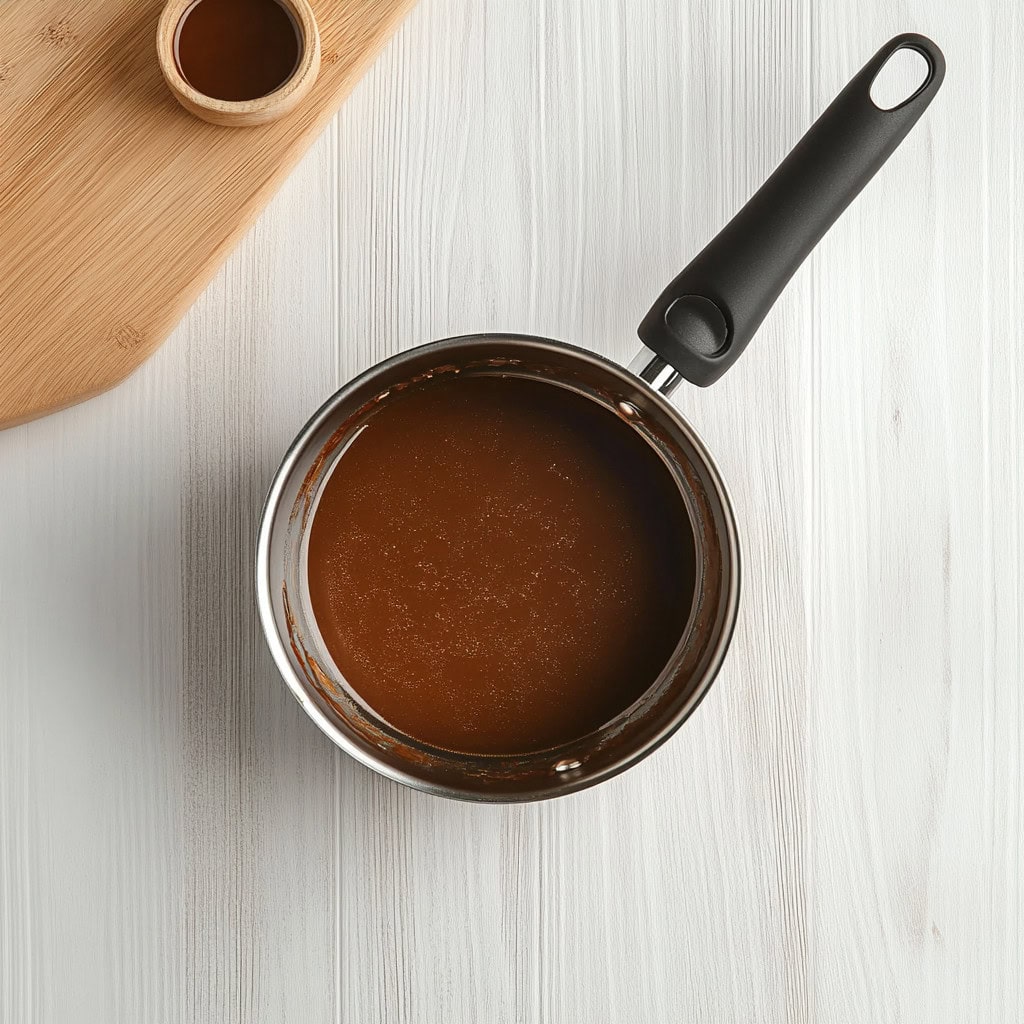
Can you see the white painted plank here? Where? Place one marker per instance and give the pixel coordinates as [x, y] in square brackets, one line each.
[915, 548]
[90, 716]
[259, 829]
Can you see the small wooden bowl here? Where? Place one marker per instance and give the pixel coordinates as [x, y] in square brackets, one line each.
[241, 113]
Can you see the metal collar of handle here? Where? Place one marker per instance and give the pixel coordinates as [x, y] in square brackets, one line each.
[655, 371]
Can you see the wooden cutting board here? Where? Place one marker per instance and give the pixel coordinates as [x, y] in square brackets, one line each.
[116, 205]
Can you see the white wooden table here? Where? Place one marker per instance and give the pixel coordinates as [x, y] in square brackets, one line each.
[837, 835]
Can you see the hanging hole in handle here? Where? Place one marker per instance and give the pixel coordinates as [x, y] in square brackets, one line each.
[900, 78]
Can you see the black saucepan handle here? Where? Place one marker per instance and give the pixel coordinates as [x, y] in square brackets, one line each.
[703, 320]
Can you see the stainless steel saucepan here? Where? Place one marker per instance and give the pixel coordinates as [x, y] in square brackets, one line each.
[695, 330]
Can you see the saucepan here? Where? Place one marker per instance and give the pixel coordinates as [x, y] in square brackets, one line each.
[696, 330]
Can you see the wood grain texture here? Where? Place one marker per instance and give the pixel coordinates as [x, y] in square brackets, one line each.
[836, 836]
[116, 205]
